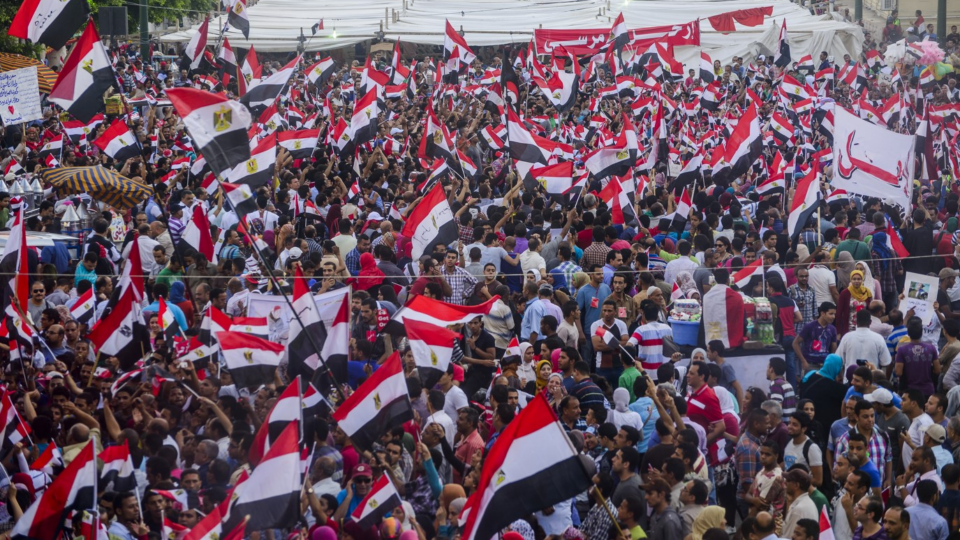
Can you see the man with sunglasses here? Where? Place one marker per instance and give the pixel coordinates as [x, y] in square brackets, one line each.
[357, 488]
[38, 301]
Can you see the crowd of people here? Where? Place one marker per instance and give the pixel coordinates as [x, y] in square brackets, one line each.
[856, 427]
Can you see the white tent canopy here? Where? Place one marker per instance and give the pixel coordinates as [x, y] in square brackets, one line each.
[275, 25]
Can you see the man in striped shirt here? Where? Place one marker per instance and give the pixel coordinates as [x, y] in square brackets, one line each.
[780, 390]
[648, 338]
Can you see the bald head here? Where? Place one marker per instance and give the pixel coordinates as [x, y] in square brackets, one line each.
[79, 433]
[765, 525]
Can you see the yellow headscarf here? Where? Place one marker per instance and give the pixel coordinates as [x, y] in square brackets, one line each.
[710, 517]
[541, 382]
[861, 293]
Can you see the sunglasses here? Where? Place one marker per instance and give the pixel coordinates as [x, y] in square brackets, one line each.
[363, 480]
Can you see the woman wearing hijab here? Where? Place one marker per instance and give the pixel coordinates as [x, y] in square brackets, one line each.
[712, 517]
[370, 277]
[823, 388]
[871, 284]
[845, 265]
[621, 415]
[555, 391]
[852, 299]
[543, 370]
[527, 371]
[333, 220]
[177, 290]
[886, 268]
[688, 286]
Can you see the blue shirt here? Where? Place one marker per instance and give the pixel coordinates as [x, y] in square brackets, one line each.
[56, 255]
[926, 523]
[353, 501]
[585, 297]
[871, 469]
[851, 392]
[355, 372]
[532, 315]
[649, 415]
[838, 428]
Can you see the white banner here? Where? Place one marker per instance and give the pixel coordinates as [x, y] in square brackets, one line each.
[20, 96]
[872, 160]
[278, 313]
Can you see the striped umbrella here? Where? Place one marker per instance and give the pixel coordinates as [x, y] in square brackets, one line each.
[45, 76]
[99, 182]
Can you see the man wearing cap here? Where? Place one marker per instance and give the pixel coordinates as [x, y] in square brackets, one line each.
[889, 418]
[665, 522]
[357, 488]
[923, 466]
[934, 436]
[802, 507]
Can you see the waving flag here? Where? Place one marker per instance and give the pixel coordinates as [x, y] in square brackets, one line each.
[117, 468]
[532, 465]
[432, 348]
[381, 500]
[286, 410]
[261, 96]
[217, 125]
[430, 223]
[198, 44]
[782, 57]
[118, 142]
[302, 356]
[250, 360]
[71, 491]
[378, 405]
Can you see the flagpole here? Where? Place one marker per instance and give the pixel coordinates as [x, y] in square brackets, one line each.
[603, 503]
[286, 299]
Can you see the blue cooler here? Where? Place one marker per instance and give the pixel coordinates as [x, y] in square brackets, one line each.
[685, 332]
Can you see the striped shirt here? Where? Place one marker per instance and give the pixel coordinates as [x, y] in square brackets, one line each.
[648, 339]
[895, 337]
[782, 391]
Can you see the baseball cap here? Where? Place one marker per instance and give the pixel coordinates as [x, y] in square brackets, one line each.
[457, 373]
[362, 470]
[546, 288]
[295, 253]
[936, 432]
[948, 273]
[880, 395]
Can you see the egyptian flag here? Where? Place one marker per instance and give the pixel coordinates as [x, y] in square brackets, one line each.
[259, 169]
[333, 308]
[14, 263]
[782, 128]
[453, 41]
[53, 147]
[775, 185]
[249, 73]
[196, 235]
[254, 326]
[318, 73]
[892, 110]
[48, 460]
[742, 278]
[261, 96]
[692, 172]
[271, 496]
[524, 145]
[435, 142]
[13, 167]
[619, 35]
[554, 179]
[365, 120]
[431, 223]
[122, 381]
[76, 131]
[122, 332]
[19, 335]
[706, 68]
[118, 142]
[510, 85]
[682, 213]
[532, 465]
[491, 138]
[745, 143]
[72, 491]
[617, 197]
[381, 500]
[14, 428]
[432, 348]
[608, 161]
[117, 468]
[302, 356]
[286, 410]
[228, 61]
[51, 22]
[250, 360]
[217, 125]
[238, 17]
[83, 310]
[438, 313]
[782, 57]
[805, 201]
[299, 143]
[380, 404]
[197, 45]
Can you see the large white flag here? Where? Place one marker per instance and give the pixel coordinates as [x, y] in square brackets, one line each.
[871, 160]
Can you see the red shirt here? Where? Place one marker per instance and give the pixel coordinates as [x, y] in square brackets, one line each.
[703, 407]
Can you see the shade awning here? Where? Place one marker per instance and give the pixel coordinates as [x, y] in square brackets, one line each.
[46, 78]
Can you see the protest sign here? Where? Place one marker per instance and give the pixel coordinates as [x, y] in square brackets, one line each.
[20, 96]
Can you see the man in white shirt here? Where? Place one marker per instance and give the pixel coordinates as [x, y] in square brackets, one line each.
[531, 259]
[823, 281]
[455, 399]
[436, 400]
[912, 406]
[683, 263]
[864, 344]
[803, 507]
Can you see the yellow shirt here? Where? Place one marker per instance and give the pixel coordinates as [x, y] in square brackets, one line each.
[637, 533]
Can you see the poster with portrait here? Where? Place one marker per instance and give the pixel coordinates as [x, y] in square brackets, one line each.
[919, 294]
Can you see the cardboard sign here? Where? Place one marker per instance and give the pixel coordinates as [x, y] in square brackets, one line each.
[20, 96]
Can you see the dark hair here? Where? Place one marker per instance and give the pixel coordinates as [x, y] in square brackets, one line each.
[865, 373]
[675, 467]
[874, 508]
[772, 445]
[810, 527]
[699, 491]
[632, 434]
[802, 418]
[436, 399]
[862, 478]
[825, 307]
[862, 406]
[778, 365]
[635, 506]
[630, 457]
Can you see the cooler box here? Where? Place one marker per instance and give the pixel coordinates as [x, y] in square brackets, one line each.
[685, 332]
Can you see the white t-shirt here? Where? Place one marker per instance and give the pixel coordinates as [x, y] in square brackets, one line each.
[906, 453]
[821, 279]
[455, 401]
[793, 454]
[621, 326]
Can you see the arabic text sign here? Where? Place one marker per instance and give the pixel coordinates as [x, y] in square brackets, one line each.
[20, 96]
[590, 40]
[871, 160]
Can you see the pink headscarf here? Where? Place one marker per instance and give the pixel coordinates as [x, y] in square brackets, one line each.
[555, 359]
